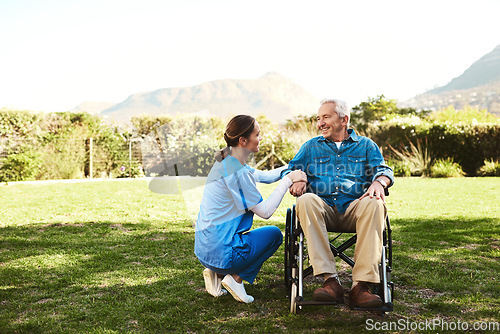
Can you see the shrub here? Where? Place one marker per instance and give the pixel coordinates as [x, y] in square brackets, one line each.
[63, 158]
[400, 167]
[20, 123]
[21, 166]
[284, 148]
[446, 168]
[183, 146]
[490, 168]
[467, 144]
[111, 151]
[417, 158]
[130, 170]
[467, 115]
[60, 140]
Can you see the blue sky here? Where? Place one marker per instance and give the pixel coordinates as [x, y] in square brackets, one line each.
[57, 54]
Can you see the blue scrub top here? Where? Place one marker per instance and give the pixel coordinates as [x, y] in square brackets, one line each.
[224, 213]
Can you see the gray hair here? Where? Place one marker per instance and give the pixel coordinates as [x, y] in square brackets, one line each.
[341, 108]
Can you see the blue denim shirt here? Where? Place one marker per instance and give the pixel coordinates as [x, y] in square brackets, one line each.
[339, 176]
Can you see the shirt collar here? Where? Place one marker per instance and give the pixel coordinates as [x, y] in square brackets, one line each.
[351, 132]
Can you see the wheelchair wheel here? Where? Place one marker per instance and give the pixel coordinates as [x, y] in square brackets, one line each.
[386, 287]
[294, 293]
[289, 246]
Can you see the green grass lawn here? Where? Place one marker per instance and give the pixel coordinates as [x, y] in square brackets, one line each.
[114, 257]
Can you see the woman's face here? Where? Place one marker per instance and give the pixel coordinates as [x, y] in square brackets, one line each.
[252, 142]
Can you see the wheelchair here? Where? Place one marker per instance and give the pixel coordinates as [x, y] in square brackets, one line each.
[297, 267]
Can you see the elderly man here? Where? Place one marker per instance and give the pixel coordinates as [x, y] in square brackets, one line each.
[345, 192]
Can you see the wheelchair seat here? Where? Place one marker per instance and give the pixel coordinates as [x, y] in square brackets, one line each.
[296, 269]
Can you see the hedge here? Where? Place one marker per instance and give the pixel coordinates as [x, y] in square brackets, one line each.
[188, 143]
[467, 144]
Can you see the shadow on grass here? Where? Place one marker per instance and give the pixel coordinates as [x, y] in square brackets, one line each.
[84, 274]
[105, 277]
[89, 276]
[448, 266]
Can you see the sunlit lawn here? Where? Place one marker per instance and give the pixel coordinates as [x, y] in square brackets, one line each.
[114, 257]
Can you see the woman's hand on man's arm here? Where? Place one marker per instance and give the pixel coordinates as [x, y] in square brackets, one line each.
[299, 179]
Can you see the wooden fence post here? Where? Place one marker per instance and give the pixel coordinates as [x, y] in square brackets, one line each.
[91, 157]
[130, 158]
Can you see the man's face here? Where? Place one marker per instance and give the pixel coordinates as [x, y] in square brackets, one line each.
[328, 122]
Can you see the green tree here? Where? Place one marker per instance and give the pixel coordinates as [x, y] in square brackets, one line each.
[302, 123]
[20, 123]
[379, 109]
[183, 146]
[145, 124]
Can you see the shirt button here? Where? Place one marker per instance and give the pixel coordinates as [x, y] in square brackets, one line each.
[337, 176]
[338, 155]
[338, 167]
[334, 199]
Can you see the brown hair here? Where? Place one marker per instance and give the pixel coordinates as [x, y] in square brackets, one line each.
[239, 126]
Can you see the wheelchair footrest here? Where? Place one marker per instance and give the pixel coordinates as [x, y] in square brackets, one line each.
[385, 308]
[301, 302]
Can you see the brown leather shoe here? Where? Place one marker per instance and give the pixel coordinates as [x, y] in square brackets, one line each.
[331, 291]
[360, 296]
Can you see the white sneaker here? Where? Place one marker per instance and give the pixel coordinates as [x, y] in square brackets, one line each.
[237, 290]
[213, 283]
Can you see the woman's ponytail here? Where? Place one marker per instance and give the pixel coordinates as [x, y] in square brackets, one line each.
[222, 154]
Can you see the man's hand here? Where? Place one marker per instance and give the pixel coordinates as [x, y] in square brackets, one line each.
[298, 188]
[376, 189]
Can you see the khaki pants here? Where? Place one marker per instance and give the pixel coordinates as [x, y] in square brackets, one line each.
[366, 217]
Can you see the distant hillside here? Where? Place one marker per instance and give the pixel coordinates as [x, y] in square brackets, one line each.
[483, 72]
[478, 86]
[273, 95]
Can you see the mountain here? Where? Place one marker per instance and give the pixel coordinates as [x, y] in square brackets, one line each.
[273, 95]
[478, 86]
[483, 72]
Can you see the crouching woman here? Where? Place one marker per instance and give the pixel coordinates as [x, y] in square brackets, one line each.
[224, 243]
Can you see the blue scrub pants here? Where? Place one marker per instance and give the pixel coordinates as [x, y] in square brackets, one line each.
[263, 241]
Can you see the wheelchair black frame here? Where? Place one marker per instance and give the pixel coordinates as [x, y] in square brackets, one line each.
[294, 258]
